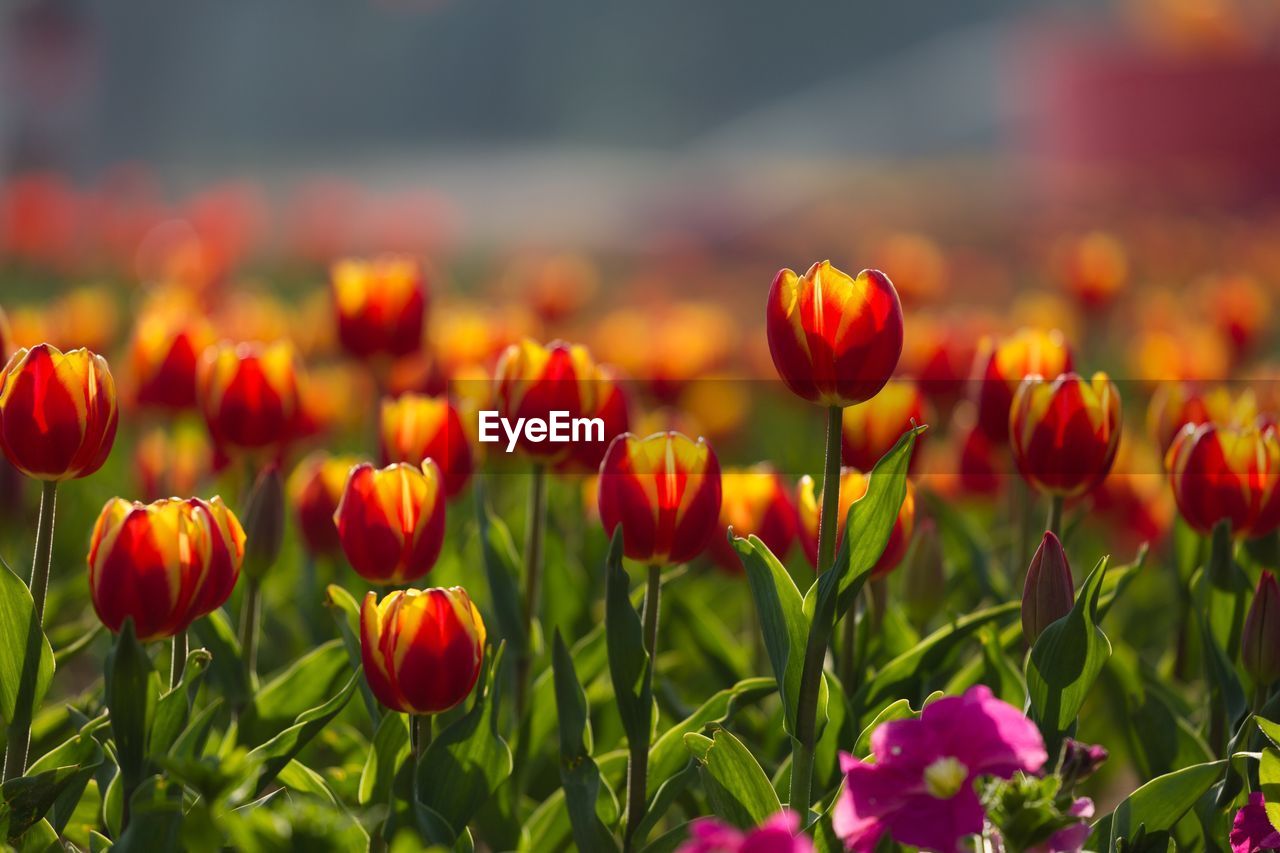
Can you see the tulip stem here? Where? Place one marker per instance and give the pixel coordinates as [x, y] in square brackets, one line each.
[420, 732]
[249, 629]
[1054, 522]
[536, 522]
[638, 766]
[815, 653]
[19, 740]
[178, 662]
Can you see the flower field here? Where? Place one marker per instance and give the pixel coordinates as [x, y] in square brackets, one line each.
[314, 545]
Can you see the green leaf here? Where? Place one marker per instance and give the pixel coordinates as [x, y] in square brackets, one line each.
[628, 661]
[28, 798]
[464, 765]
[782, 621]
[389, 750]
[26, 658]
[736, 785]
[227, 668]
[579, 775]
[304, 684]
[190, 743]
[1118, 580]
[300, 778]
[900, 710]
[906, 672]
[1155, 807]
[155, 818]
[284, 747]
[81, 753]
[133, 688]
[174, 706]
[1269, 778]
[590, 660]
[502, 570]
[1065, 661]
[346, 613]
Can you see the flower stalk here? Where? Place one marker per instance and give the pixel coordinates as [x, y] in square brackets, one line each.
[638, 765]
[535, 528]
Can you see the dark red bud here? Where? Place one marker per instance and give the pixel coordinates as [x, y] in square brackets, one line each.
[1049, 592]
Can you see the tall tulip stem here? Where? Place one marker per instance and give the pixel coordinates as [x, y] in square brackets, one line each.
[1054, 523]
[179, 659]
[820, 633]
[536, 523]
[638, 766]
[249, 625]
[19, 740]
[420, 732]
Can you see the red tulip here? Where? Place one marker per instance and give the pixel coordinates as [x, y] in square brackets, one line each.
[1049, 592]
[414, 427]
[422, 649]
[754, 501]
[165, 354]
[1001, 367]
[871, 429]
[1065, 433]
[1227, 474]
[58, 412]
[853, 485]
[391, 521]
[249, 394]
[381, 305]
[532, 381]
[835, 340]
[164, 564]
[664, 491]
[315, 489]
[613, 409]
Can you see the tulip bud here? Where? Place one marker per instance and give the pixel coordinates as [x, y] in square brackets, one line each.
[249, 394]
[422, 649]
[263, 523]
[163, 564]
[1080, 760]
[381, 305]
[1223, 473]
[315, 488]
[835, 340]
[1065, 433]
[532, 381]
[1260, 645]
[1001, 366]
[414, 427]
[853, 485]
[58, 412]
[1049, 592]
[664, 491]
[391, 521]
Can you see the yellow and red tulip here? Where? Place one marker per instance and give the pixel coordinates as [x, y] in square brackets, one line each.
[1176, 404]
[1222, 473]
[315, 489]
[532, 381]
[871, 429]
[613, 408]
[1064, 433]
[381, 305]
[249, 394]
[835, 339]
[414, 427]
[664, 491]
[1093, 268]
[853, 485]
[1000, 367]
[391, 521]
[756, 501]
[422, 649]
[163, 564]
[58, 412]
[165, 355]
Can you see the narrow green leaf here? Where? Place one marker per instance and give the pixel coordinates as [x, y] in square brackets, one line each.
[227, 667]
[502, 570]
[736, 785]
[26, 658]
[133, 688]
[307, 682]
[173, 707]
[1155, 807]
[284, 747]
[1065, 661]
[628, 661]
[155, 818]
[389, 750]
[579, 775]
[346, 614]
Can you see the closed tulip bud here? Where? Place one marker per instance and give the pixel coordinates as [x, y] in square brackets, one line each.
[1221, 473]
[264, 523]
[414, 427]
[391, 521]
[1260, 644]
[664, 491]
[1001, 366]
[165, 357]
[835, 339]
[871, 429]
[58, 412]
[853, 485]
[1049, 592]
[314, 490]
[164, 564]
[381, 305]
[1080, 761]
[1065, 433]
[532, 381]
[249, 394]
[753, 501]
[422, 649]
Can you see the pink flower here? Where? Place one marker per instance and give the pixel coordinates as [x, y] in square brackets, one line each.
[1252, 832]
[920, 788]
[778, 834]
[1071, 839]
